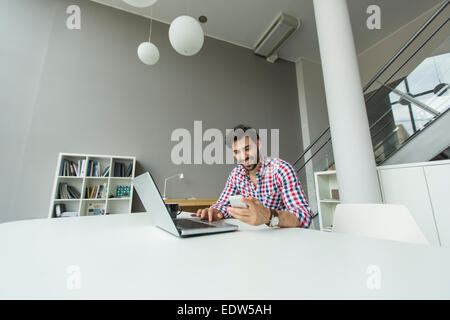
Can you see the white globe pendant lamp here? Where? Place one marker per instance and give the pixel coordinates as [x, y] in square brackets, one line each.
[147, 52]
[186, 35]
[140, 3]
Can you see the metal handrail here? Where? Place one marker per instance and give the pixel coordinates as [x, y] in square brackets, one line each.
[413, 135]
[416, 102]
[311, 145]
[312, 156]
[379, 73]
[388, 111]
[382, 128]
[407, 60]
[406, 45]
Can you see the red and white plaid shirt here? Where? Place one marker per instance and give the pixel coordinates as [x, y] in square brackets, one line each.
[277, 188]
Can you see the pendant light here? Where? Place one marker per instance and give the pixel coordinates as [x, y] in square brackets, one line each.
[147, 52]
[186, 35]
[140, 3]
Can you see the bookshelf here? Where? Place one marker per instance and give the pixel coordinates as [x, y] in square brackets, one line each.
[326, 181]
[84, 186]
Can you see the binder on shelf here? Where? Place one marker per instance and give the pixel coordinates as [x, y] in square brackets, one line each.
[61, 167]
[129, 170]
[117, 169]
[121, 170]
[59, 209]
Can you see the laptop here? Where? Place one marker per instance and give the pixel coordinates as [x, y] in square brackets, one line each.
[180, 227]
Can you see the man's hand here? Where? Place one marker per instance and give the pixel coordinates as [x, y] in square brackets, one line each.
[210, 214]
[255, 215]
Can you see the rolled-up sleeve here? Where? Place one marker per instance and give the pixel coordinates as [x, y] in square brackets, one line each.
[230, 190]
[293, 195]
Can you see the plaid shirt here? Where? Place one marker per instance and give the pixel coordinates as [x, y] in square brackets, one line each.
[277, 188]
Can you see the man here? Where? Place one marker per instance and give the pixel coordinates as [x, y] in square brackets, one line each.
[270, 187]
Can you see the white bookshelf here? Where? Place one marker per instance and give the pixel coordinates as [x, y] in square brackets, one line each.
[326, 181]
[110, 202]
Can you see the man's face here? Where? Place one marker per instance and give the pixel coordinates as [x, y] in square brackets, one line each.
[246, 153]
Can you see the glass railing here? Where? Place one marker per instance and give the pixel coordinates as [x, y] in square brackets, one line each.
[414, 92]
[411, 103]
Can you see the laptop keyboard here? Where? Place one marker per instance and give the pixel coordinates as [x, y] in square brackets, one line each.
[190, 224]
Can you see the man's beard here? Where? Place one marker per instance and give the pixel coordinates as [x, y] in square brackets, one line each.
[252, 166]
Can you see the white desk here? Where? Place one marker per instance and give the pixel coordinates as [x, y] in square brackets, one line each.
[126, 256]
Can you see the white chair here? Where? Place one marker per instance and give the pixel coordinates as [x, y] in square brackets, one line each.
[382, 221]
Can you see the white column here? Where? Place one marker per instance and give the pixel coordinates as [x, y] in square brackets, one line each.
[352, 146]
[304, 126]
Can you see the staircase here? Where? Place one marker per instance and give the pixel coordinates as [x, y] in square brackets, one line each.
[407, 102]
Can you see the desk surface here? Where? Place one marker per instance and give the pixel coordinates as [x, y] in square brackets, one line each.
[193, 204]
[192, 201]
[126, 256]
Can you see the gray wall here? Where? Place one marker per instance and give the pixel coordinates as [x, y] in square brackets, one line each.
[85, 91]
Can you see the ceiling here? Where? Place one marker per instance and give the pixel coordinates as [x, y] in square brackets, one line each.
[242, 22]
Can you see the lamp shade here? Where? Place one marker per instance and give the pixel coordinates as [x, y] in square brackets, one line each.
[186, 35]
[140, 3]
[148, 53]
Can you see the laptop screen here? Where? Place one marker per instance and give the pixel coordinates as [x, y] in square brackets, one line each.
[153, 202]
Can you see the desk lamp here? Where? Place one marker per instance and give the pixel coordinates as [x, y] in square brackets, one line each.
[179, 175]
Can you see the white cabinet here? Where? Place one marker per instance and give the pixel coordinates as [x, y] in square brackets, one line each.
[423, 187]
[408, 186]
[438, 181]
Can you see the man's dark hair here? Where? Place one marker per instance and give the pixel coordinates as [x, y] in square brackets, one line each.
[239, 132]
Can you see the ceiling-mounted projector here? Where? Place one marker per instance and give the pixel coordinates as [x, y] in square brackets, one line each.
[278, 32]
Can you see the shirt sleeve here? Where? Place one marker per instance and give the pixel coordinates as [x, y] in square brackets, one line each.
[293, 195]
[230, 190]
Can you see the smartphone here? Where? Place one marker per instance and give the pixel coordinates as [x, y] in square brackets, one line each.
[236, 201]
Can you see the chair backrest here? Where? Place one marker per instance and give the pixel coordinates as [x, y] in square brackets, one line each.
[382, 221]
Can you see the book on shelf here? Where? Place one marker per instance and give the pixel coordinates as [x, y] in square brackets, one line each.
[81, 167]
[68, 192]
[69, 214]
[96, 208]
[69, 168]
[106, 172]
[96, 192]
[60, 211]
[94, 168]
